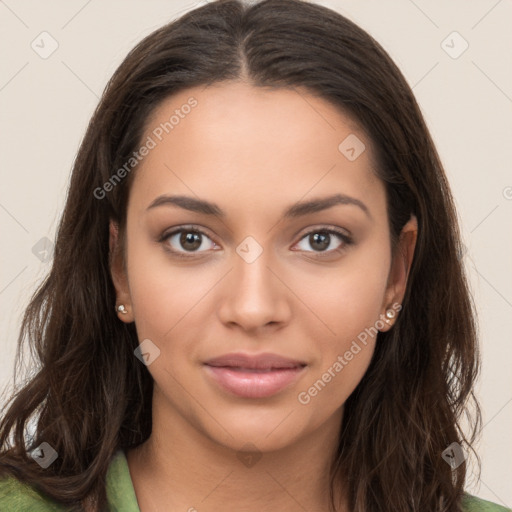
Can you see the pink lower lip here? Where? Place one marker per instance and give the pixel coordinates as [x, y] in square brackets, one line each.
[253, 384]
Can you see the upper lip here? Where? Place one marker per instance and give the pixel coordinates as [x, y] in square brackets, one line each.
[255, 361]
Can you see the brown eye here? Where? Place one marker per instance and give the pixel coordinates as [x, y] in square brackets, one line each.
[190, 240]
[320, 241]
[186, 240]
[324, 241]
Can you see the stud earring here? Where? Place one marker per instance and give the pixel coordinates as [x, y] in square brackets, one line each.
[121, 309]
[390, 314]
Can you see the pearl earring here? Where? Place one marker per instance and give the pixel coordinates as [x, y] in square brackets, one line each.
[121, 309]
[390, 313]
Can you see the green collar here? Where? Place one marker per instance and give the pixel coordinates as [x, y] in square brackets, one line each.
[120, 491]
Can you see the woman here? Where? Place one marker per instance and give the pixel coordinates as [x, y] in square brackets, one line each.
[256, 300]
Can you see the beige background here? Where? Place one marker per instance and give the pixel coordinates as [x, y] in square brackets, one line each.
[46, 104]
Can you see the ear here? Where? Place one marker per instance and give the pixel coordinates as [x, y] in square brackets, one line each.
[399, 272]
[118, 274]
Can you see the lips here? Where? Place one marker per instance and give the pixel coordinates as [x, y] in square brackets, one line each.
[257, 376]
[266, 361]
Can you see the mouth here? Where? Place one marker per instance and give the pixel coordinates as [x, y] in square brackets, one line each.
[261, 361]
[254, 370]
[259, 376]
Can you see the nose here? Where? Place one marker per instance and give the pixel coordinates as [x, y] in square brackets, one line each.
[253, 295]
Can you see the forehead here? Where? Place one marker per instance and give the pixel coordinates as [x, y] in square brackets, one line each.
[250, 142]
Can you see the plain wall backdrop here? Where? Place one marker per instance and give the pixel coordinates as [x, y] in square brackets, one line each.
[58, 55]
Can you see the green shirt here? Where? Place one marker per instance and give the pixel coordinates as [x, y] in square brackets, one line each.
[16, 496]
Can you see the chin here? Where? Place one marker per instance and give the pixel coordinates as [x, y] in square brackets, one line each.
[262, 431]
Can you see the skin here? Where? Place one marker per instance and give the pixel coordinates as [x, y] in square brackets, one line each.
[254, 152]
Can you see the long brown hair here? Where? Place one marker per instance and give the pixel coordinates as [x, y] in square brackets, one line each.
[91, 396]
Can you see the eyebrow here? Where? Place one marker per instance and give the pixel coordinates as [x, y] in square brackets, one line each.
[296, 210]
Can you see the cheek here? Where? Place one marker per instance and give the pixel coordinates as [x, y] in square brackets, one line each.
[348, 302]
[162, 293]
[346, 299]
[342, 354]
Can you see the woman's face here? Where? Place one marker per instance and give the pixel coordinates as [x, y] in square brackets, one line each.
[265, 275]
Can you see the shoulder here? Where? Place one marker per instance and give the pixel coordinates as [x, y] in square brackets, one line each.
[16, 496]
[473, 504]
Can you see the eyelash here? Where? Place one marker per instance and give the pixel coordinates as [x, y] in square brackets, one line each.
[347, 241]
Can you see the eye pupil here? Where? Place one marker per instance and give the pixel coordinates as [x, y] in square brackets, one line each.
[192, 238]
[321, 240]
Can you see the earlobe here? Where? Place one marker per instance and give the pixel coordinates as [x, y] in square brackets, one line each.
[400, 269]
[118, 275]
